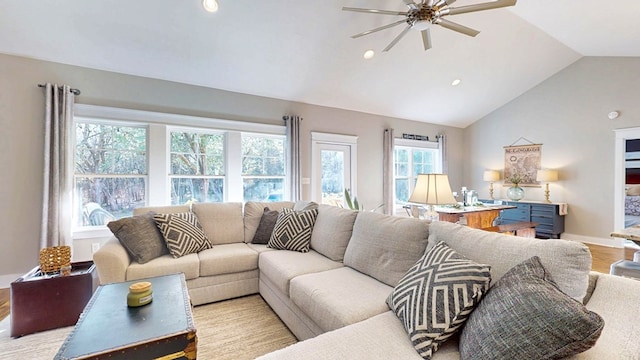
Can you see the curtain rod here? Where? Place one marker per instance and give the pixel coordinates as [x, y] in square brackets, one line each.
[74, 91]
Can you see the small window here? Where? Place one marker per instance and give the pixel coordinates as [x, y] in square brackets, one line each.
[263, 167]
[197, 167]
[110, 172]
[410, 161]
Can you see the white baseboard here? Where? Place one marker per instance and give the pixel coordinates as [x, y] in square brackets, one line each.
[6, 280]
[610, 242]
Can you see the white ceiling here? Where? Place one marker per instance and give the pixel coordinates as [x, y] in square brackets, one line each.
[302, 51]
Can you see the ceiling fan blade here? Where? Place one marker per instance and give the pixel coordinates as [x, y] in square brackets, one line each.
[426, 39]
[456, 27]
[411, 4]
[378, 29]
[441, 3]
[375, 11]
[395, 41]
[478, 7]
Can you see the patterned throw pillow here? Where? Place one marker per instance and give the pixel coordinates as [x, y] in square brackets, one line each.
[632, 205]
[435, 297]
[526, 316]
[140, 236]
[182, 233]
[293, 230]
[265, 227]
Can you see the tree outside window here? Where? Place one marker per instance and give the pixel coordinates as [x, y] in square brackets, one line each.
[263, 167]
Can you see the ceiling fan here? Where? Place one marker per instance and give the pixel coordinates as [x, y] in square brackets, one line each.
[427, 12]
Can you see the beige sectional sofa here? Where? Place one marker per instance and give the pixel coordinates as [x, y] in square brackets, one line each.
[334, 297]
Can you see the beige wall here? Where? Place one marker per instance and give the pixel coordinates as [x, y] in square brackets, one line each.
[567, 113]
[21, 113]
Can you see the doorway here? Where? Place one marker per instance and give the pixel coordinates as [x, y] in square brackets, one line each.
[333, 167]
[623, 136]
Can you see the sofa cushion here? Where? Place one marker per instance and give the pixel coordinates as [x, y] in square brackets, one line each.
[227, 258]
[293, 230]
[378, 338]
[525, 316]
[568, 261]
[339, 297]
[172, 209]
[140, 236]
[222, 222]
[302, 205]
[282, 266]
[435, 297]
[265, 228]
[385, 247]
[332, 231]
[165, 265]
[182, 233]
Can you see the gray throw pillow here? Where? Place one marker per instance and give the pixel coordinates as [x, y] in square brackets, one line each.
[526, 316]
[293, 230]
[182, 233]
[140, 236]
[435, 297]
[265, 227]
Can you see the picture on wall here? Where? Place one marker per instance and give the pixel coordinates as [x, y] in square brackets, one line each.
[524, 161]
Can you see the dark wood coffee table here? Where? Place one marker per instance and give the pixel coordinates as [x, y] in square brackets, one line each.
[41, 302]
[109, 329]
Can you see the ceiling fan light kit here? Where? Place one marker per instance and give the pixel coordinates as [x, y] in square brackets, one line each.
[421, 15]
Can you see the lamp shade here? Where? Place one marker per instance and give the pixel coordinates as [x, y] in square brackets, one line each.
[491, 175]
[432, 189]
[547, 175]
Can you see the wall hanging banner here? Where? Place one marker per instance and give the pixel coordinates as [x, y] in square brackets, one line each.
[522, 160]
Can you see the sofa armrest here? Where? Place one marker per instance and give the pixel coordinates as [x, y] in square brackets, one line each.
[615, 298]
[112, 261]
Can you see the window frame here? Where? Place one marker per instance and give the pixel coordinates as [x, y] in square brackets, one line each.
[159, 127]
[413, 145]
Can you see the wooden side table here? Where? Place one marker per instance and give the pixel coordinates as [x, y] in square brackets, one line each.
[41, 302]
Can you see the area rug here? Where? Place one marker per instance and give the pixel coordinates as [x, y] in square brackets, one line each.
[242, 328]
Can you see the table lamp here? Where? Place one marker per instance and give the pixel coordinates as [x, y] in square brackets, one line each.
[432, 189]
[547, 176]
[491, 176]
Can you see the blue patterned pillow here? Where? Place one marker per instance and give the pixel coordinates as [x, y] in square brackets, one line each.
[437, 295]
[632, 205]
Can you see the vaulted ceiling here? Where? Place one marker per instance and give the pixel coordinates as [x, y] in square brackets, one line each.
[302, 50]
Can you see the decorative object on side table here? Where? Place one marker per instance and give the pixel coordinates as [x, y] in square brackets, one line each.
[432, 189]
[491, 176]
[547, 176]
[515, 192]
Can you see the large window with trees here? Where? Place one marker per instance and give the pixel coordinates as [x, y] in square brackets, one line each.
[411, 159]
[127, 158]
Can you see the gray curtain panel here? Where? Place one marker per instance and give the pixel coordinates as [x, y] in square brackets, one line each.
[442, 147]
[388, 184]
[293, 155]
[58, 167]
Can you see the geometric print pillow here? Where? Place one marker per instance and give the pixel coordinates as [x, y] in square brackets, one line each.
[437, 295]
[293, 230]
[182, 233]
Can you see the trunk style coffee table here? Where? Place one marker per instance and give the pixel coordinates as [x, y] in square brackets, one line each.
[109, 329]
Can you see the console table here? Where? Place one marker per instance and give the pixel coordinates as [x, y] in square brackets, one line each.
[549, 216]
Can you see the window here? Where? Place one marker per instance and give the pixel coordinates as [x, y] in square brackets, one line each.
[110, 172]
[410, 159]
[197, 167]
[126, 159]
[263, 168]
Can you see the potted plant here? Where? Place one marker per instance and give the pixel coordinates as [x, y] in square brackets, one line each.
[515, 192]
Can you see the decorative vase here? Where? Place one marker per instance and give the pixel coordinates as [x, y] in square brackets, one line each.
[515, 193]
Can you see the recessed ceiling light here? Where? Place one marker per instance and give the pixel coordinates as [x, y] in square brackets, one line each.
[369, 54]
[456, 82]
[210, 5]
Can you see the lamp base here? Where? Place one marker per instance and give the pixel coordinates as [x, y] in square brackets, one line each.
[546, 194]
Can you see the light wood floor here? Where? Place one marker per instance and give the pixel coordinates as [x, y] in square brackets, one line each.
[602, 256]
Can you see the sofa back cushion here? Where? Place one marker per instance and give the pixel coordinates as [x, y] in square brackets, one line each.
[222, 222]
[385, 247]
[332, 231]
[253, 213]
[569, 262]
[174, 209]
